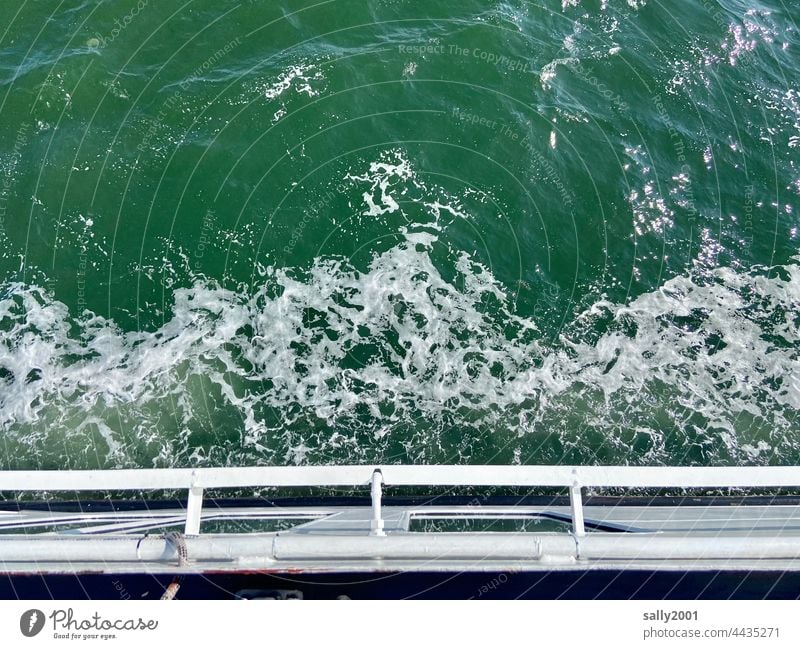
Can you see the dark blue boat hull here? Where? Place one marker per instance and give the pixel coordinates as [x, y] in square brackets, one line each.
[567, 585]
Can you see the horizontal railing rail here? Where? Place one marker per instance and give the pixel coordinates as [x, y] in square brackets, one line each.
[571, 477]
[402, 475]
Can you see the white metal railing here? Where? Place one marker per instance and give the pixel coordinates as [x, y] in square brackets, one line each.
[573, 478]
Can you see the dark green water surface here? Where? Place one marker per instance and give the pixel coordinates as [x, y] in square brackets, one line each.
[278, 232]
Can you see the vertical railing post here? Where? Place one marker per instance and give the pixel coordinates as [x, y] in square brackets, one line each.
[376, 525]
[576, 504]
[194, 508]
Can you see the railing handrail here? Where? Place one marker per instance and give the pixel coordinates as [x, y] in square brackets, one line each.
[571, 477]
[401, 475]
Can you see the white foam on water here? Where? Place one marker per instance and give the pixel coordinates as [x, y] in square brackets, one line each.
[746, 40]
[548, 72]
[301, 78]
[337, 361]
[380, 177]
[392, 181]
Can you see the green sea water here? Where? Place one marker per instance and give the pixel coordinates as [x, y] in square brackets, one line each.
[288, 231]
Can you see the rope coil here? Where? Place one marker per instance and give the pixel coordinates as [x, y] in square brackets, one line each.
[177, 541]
